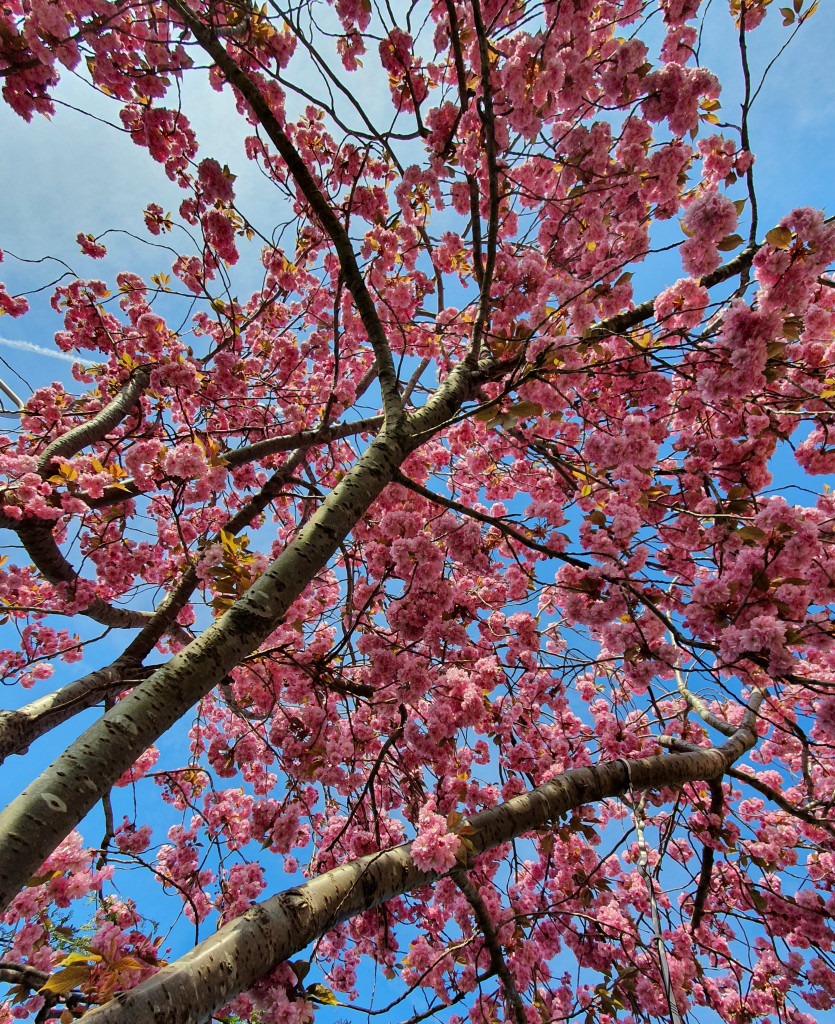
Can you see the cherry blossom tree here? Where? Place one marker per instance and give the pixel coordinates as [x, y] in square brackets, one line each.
[451, 577]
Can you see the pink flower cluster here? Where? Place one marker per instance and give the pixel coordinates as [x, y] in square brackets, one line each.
[13, 305]
[681, 307]
[707, 220]
[435, 848]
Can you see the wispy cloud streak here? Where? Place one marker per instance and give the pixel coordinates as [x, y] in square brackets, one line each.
[38, 350]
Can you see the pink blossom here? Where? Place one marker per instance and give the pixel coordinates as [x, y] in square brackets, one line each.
[216, 182]
[220, 235]
[707, 220]
[90, 246]
[682, 306]
[435, 848]
[186, 461]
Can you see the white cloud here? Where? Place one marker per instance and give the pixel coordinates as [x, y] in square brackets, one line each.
[53, 353]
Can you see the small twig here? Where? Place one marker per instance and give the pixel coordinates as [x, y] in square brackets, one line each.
[505, 528]
[109, 831]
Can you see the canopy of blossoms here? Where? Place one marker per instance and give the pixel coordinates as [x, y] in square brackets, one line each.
[433, 573]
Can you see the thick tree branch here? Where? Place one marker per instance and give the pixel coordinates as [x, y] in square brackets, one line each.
[237, 955]
[801, 813]
[97, 428]
[33, 824]
[303, 439]
[20, 728]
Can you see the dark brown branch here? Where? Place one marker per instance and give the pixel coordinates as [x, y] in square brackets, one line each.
[772, 794]
[491, 942]
[801, 813]
[109, 832]
[22, 974]
[319, 205]
[708, 855]
[623, 322]
[472, 184]
[302, 439]
[482, 517]
[485, 109]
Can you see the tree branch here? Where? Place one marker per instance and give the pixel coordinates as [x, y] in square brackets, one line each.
[708, 855]
[482, 517]
[33, 824]
[233, 959]
[485, 110]
[302, 439]
[491, 942]
[98, 427]
[20, 728]
[620, 323]
[39, 542]
[321, 208]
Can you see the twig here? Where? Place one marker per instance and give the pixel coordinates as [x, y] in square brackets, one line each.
[456, 506]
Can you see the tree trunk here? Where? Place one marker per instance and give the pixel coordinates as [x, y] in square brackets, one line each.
[233, 959]
[47, 810]
[50, 808]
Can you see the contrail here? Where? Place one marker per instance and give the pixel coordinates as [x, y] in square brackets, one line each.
[27, 346]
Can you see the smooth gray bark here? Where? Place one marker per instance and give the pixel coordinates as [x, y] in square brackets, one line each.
[20, 727]
[233, 959]
[47, 810]
[33, 824]
[99, 426]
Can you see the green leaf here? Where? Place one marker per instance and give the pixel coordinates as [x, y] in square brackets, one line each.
[486, 413]
[751, 534]
[301, 968]
[524, 410]
[80, 958]
[42, 879]
[779, 238]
